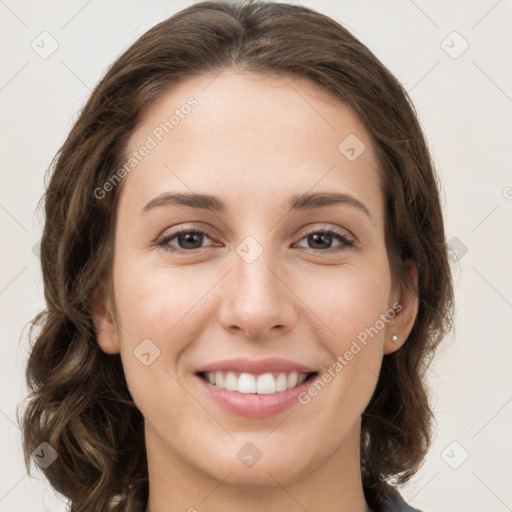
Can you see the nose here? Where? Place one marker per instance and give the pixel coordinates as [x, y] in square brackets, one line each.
[256, 299]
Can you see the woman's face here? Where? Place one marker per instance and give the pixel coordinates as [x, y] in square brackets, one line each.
[256, 278]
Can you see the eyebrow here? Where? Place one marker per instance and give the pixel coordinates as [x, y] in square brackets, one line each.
[297, 202]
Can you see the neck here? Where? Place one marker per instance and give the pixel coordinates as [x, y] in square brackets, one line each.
[329, 483]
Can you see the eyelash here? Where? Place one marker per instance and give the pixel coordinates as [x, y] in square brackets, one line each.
[163, 243]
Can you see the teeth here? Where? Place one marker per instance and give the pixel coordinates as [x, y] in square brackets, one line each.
[264, 384]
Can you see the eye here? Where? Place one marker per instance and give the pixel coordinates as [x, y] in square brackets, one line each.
[323, 237]
[183, 240]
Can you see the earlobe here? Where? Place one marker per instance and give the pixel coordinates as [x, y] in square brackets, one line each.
[401, 325]
[104, 321]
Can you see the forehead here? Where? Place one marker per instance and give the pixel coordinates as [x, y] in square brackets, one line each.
[251, 138]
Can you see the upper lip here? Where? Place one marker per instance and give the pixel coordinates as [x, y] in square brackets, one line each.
[257, 367]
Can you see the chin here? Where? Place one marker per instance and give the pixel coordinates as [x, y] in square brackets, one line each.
[258, 463]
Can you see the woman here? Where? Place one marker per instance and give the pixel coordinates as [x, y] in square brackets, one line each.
[246, 275]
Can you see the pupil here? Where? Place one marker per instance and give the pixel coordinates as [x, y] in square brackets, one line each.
[191, 238]
[320, 236]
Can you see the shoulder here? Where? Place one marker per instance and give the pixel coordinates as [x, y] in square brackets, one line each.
[396, 503]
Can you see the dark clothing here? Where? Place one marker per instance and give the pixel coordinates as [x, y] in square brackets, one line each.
[397, 504]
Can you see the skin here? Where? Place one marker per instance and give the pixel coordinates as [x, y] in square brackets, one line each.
[254, 141]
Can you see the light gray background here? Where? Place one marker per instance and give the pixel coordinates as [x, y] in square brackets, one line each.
[465, 106]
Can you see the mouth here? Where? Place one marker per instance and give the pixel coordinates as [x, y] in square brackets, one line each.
[255, 396]
[269, 383]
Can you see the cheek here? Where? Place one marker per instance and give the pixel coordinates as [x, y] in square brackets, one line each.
[162, 312]
[156, 314]
[153, 335]
[351, 303]
[353, 306]
[354, 341]
[156, 301]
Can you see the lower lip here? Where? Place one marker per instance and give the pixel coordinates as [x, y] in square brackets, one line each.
[252, 405]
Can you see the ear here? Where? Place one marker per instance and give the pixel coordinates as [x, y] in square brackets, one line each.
[104, 322]
[402, 323]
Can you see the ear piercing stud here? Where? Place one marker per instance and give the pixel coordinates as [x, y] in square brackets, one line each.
[394, 338]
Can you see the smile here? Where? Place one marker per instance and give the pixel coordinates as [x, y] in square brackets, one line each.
[254, 396]
[263, 384]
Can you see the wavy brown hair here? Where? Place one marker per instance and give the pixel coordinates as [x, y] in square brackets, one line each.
[79, 402]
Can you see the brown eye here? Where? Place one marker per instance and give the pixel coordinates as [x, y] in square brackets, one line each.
[184, 240]
[322, 240]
